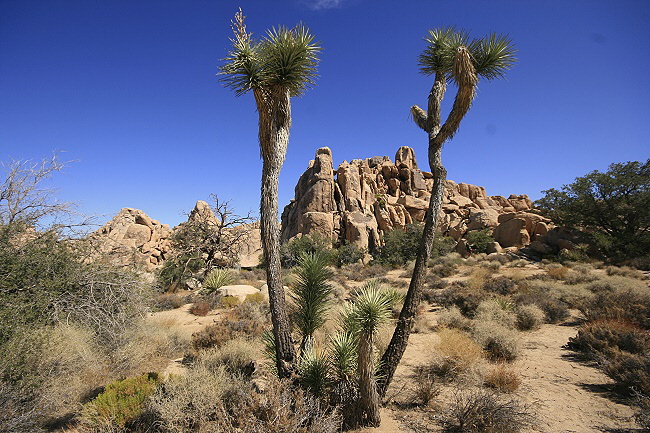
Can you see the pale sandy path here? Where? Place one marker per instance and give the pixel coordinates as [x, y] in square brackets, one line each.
[569, 395]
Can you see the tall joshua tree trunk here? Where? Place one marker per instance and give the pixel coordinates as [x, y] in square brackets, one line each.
[275, 122]
[465, 76]
[369, 399]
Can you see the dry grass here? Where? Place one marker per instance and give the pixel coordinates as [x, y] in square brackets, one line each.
[502, 377]
[458, 345]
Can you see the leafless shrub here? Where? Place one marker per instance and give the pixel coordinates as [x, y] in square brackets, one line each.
[482, 411]
[200, 308]
[427, 386]
[108, 301]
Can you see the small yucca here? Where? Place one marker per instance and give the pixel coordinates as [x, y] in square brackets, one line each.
[218, 278]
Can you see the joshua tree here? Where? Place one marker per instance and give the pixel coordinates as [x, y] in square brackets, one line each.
[449, 56]
[281, 65]
[370, 309]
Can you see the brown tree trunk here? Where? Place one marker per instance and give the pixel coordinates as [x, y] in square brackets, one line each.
[274, 109]
[369, 400]
[395, 350]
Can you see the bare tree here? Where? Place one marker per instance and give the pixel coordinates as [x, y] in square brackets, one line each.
[213, 235]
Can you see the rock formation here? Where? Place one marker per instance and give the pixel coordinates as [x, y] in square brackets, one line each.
[133, 237]
[363, 199]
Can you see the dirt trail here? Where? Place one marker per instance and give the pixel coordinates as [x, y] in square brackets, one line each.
[569, 395]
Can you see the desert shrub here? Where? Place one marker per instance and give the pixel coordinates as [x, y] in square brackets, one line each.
[557, 272]
[121, 402]
[400, 246]
[347, 254]
[502, 259]
[217, 401]
[217, 278]
[459, 347]
[168, 301]
[497, 310]
[360, 272]
[291, 251]
[629, 305]
[529, 317]
[500, 285]
[482, 411]
[631, 371]
[200, 308]
[499, 342]
[248, 320]
[442, 246]
[642, 416]
[452, 318]
[607, 337]
[502, 378]
[236, 355]
[459, 294]
[426, 386]
[443, 270]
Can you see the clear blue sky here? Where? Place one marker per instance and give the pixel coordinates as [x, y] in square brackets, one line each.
[127, 88]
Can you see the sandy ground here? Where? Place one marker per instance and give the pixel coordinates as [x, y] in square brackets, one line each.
[568, 395]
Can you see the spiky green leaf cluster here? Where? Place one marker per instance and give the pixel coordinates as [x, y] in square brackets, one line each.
[371, 307]
[284, 57]
[313, 370]
[343, 355]
[311, 291]
[491, 56]
[218, 278]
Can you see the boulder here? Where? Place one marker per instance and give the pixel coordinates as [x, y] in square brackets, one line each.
[239, 291]
[512, 233]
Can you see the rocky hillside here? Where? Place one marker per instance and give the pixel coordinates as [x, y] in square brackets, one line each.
[361, 200]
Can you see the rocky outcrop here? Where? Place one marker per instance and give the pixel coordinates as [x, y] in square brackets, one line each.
[133, 237]
[363, 199]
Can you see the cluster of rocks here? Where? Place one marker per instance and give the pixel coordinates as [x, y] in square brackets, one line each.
[133, 237]
[363, 199]
[358, 203]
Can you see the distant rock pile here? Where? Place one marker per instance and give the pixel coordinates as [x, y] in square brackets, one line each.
[133, 237]
[361, 200]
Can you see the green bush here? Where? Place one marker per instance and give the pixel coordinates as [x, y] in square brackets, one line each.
[290, 252]
[348, 254]
[400, 246]
[479, 240]
[121, 402]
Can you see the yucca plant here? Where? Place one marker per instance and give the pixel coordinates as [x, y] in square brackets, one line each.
[313, 370]
[371, 307]
[217, 278]
[449, 55]
[275, 68]
[311, 293]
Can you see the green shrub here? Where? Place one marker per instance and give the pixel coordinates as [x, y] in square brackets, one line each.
[291, 251]
[347, 254]
[400, 246]
[229, 301]
[462, 296]
[121, 402]
[479, 240]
